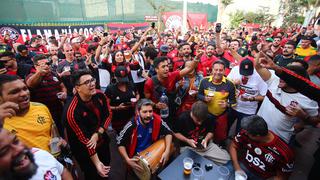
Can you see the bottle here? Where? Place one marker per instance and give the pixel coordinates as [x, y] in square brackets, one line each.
[164, 113]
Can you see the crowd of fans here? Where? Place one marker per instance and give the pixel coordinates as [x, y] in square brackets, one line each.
[68, 94]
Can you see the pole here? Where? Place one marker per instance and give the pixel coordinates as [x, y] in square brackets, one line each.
[184, 17]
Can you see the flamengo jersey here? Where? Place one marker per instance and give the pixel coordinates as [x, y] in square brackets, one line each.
[264, 159]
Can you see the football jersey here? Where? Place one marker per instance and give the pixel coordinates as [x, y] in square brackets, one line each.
[264, 159]
[48, 167]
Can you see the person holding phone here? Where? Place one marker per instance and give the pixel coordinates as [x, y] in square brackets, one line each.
[123, 96]
[195, 131]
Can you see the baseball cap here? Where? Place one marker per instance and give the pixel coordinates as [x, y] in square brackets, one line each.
[121, 74]
[246, 67]
[269, 39]
[164, 48]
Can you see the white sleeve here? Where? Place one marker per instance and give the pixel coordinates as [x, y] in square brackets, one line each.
[273, 81]
[262, 86]
[232, 75]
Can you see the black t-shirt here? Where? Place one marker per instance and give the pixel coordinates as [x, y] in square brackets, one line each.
[116, 98]
[281, 61]
[190, 130]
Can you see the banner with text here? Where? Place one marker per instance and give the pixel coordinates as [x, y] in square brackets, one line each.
[21, 33]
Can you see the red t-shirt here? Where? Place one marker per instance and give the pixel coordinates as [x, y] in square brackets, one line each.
[172, 54]
[169, 84]
[206, 63]
[264, 159]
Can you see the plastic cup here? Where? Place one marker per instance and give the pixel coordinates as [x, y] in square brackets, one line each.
[223, 172]
[54, 148]
[187, 165]
[239, 175]
[197, 173]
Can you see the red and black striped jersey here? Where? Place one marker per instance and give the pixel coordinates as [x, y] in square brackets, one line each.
[264, 159]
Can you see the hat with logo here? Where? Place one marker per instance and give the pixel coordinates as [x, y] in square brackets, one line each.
[246, 67]
[121, 73]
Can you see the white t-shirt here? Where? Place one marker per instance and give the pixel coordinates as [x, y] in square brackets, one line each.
[255, 86]
[48, 166]
[282, 124]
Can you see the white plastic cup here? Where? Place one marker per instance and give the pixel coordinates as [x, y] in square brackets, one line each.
[187, 165]
[197, 173]
[240, 175]
[54, 148]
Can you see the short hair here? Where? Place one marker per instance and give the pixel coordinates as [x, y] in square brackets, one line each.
[255, 125]
[159, 60]
[6, 78]
[7, 54]
[314, 58]
[211, 44]
[235, 40]
[292, 43]
[38, 57]
[183, 44]
[298, 70]
[151, 52]
[143, 102]
[254, 47]
[78, 74]
[277, 37]
[91, 48]
[302, 62]
[199, 109]
[22, 47]
[219, 62]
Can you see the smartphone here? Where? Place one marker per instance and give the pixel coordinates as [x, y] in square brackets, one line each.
[153, 25]
[218, 27]
[111, 43]
[105, 34]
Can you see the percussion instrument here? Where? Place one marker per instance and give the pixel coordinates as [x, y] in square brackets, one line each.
[149, 159]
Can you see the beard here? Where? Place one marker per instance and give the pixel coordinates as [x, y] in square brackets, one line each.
[25, 175]
[186, 55]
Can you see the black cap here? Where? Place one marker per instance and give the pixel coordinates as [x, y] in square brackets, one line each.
[164, 48]
[121, 74]
[246, 67]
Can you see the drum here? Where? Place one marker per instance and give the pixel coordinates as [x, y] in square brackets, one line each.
[149, 159]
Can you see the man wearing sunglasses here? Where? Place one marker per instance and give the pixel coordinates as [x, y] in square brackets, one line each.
[87, 117]
[46, 88]
[9, 62]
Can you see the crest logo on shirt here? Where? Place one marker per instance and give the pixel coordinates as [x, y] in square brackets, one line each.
[41, 120]
[49, 176]
[269, 158]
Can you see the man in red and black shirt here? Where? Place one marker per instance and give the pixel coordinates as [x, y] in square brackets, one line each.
[45, 87]
[87, 117]
[165, 81]
[260, 153]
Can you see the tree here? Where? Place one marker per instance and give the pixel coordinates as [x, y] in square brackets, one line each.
[222, 4]
[259, 17]
[159, 9]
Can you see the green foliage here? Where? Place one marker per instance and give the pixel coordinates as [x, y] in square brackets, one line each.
[226, 2]
[259, 17]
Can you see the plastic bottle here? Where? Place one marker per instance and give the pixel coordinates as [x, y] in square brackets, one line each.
[55, 139]
[164, 113]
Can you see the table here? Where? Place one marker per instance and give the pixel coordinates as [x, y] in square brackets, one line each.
[174, 171]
